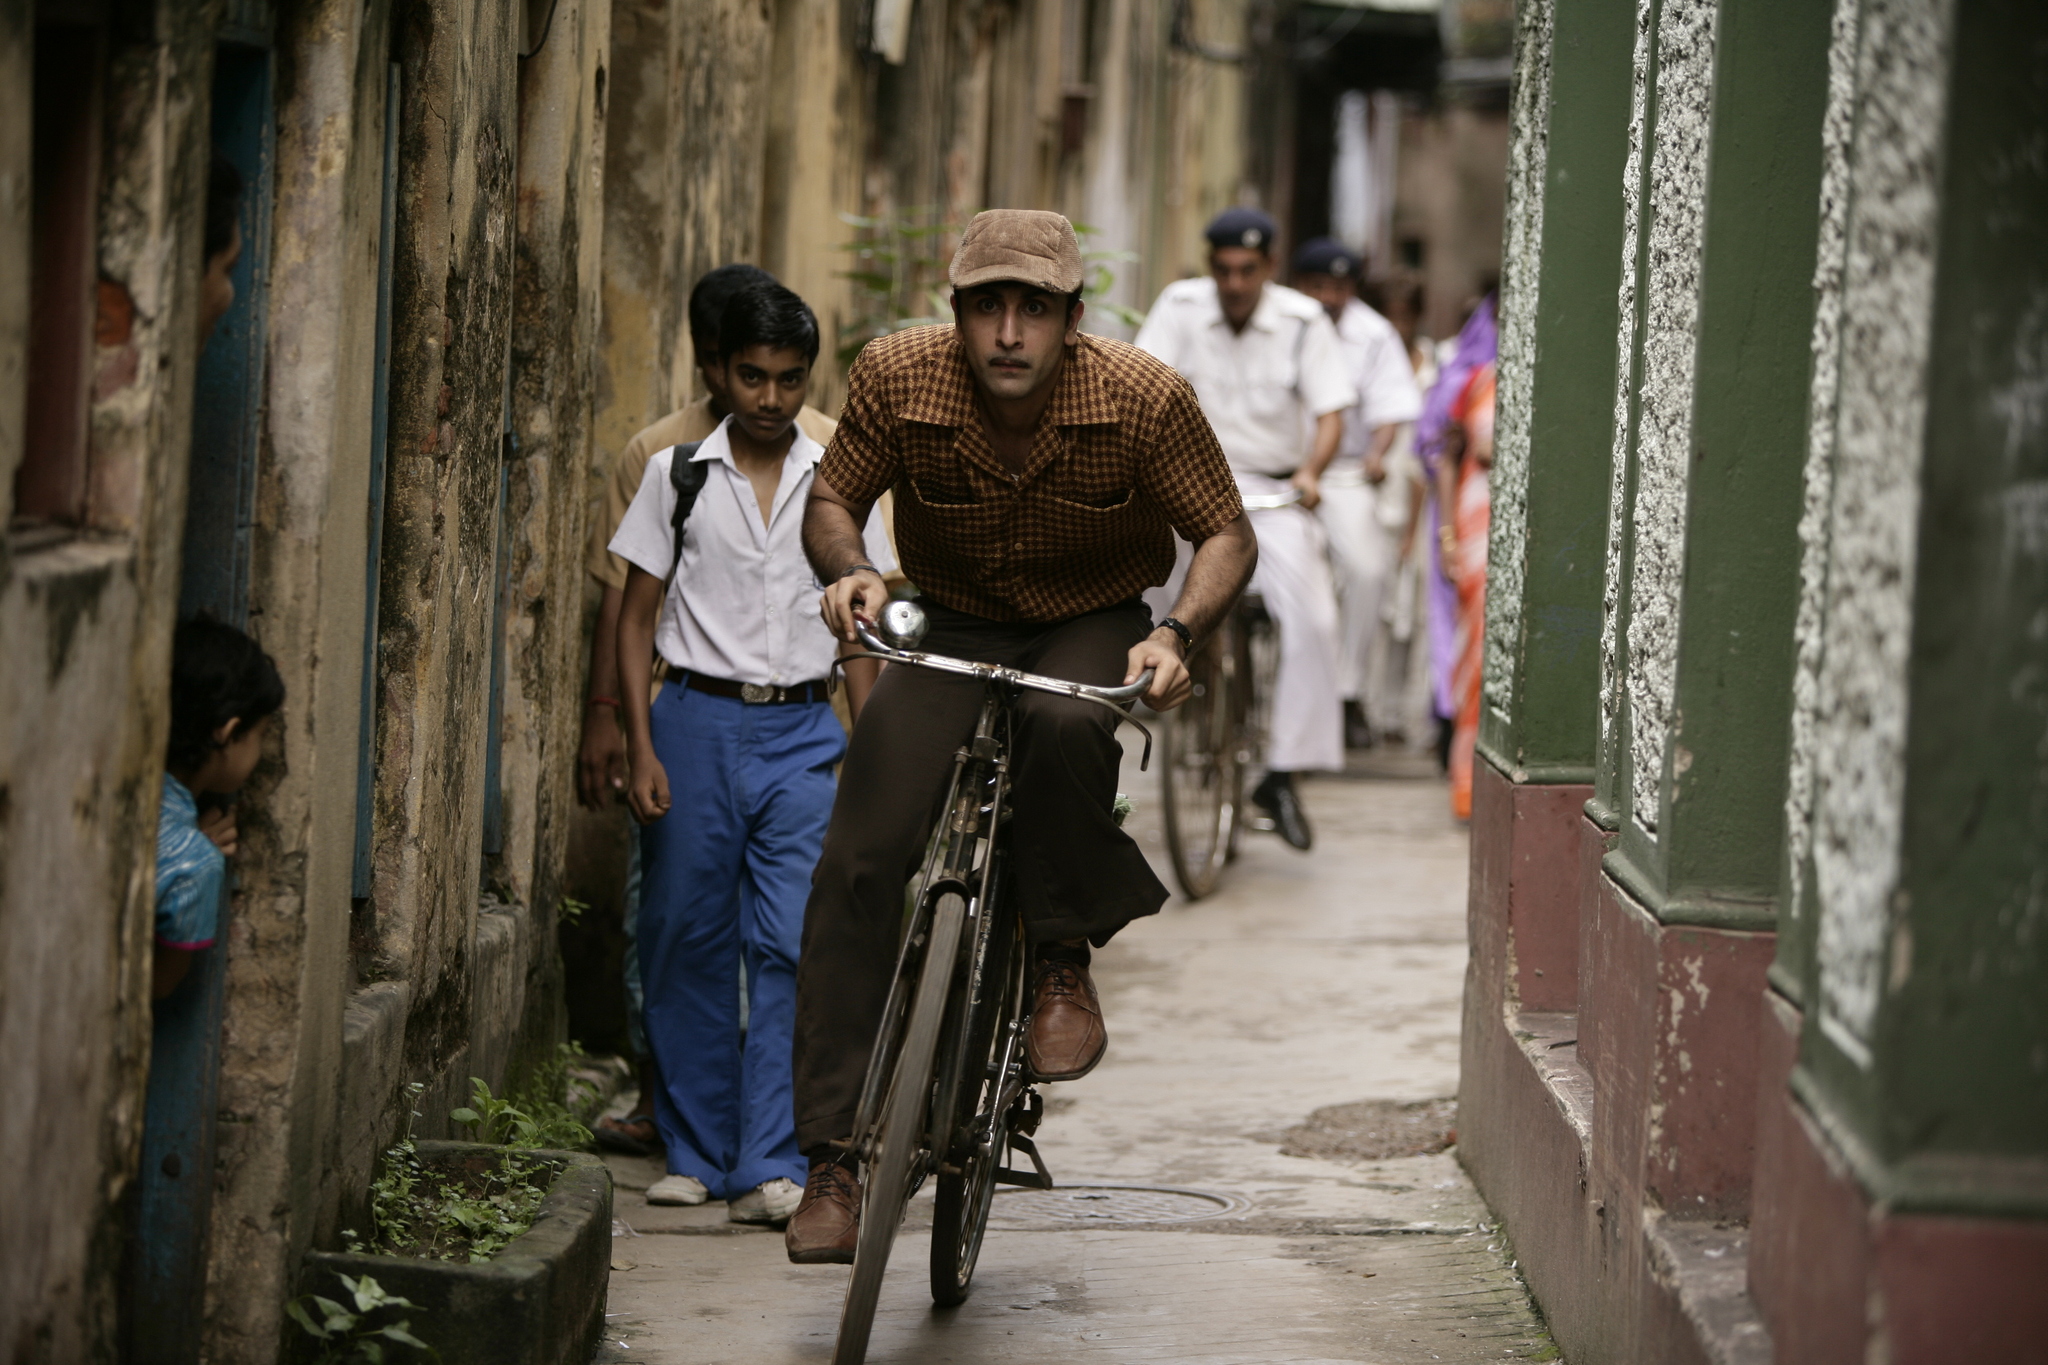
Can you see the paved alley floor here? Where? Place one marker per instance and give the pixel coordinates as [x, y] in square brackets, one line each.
[1306, 981]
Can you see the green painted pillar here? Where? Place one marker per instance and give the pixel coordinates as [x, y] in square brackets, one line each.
[1550, 473]
[1921, 845]
[1717, 441]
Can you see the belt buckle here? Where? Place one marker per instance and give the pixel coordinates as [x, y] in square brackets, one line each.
[755, 694]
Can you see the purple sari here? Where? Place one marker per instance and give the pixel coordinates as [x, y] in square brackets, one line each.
[1478, 344]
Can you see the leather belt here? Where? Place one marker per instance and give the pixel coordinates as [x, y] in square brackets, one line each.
[758, 694]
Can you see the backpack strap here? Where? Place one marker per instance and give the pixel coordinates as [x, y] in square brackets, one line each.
[686, 476]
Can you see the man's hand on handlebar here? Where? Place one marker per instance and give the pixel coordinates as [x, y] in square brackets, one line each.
[861, 593]
[1160, 652]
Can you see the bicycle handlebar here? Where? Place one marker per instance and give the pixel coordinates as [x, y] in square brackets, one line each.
[879, 648]
[906, 622]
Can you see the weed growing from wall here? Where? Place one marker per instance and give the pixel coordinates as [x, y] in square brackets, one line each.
[900, 262]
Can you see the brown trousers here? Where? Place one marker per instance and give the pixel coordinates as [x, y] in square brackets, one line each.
[1076, 873]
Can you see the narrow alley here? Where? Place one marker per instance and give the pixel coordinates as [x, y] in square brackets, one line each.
[1576, 469]
[1181, 1229]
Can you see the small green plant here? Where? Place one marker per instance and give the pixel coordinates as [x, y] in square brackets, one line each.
[416, 1210]
[572, 910]
[348, 1337]
[500, 1121]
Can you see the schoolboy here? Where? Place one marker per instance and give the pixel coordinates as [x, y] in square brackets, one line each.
[731, 767]
[224, 690]
[601, 758]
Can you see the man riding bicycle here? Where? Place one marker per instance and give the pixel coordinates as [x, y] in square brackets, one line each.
[1040, 475]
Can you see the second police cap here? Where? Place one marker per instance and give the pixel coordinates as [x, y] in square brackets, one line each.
[1325, 256]
[1252, 228]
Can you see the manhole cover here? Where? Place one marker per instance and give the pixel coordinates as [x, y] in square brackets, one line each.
[1072, 1204]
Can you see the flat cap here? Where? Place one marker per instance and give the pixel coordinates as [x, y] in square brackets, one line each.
[1018, 246]
[1253, 228]
[1326, 256]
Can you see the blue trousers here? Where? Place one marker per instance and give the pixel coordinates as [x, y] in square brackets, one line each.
[725, 875]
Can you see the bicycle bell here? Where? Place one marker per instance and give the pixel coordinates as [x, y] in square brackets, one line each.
[902, 625]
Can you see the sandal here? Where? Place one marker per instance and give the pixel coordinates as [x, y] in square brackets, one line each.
[635, 1136]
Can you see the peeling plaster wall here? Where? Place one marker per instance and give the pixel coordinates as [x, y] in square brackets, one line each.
[450, 331]
[641, 297]
[87, 622]
[1632, 188]
[1886, 310]
[1837, 132]
[564, 89]
[720, 145]
[1507, 547]
[1677, 196]
[287, 972]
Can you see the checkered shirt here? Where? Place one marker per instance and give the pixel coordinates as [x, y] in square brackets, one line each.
[1122, 459]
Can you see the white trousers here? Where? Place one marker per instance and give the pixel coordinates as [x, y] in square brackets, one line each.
[1362, 557]
[1294, 579]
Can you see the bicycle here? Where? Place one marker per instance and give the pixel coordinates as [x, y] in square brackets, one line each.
[947, 1090]
[1218, 736]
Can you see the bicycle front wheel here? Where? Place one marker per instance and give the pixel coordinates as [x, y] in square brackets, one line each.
[1198, 774]
[977, 1133]
[895, 1159]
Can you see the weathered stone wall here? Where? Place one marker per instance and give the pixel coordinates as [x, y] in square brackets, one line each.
[86, 616]
[288, 962]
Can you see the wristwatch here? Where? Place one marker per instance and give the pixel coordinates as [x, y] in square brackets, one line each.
[1187, 637]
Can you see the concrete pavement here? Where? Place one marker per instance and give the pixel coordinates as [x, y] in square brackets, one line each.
[1307, 981]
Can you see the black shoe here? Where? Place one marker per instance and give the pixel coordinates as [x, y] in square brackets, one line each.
[1357, 734]
[1276, 797]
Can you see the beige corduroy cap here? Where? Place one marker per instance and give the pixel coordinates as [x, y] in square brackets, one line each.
[1024, 246]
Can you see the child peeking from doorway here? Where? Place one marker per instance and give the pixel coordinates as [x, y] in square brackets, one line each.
[224, 690]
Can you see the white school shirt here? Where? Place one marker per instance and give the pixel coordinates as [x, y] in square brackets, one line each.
[1261, 388]
[743, 605]
[1387, 394]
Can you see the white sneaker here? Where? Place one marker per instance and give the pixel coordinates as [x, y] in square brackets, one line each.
[677, 1189]
[772, 1202]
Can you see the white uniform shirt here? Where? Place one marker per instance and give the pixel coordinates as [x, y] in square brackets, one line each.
[743, 605]
[1261, 388]
[1378, 362]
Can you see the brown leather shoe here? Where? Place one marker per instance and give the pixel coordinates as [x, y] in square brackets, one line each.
[1066, 1038]
[826, 1224]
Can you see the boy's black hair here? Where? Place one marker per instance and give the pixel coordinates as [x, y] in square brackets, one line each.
[223, 205]
[768, 315]
[218, 674]
[707, 304]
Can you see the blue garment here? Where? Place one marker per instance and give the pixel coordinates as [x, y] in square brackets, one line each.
[725, 876]
[190, 873]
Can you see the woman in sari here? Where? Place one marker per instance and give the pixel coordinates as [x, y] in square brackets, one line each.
[1437, 437]
[1462, 487]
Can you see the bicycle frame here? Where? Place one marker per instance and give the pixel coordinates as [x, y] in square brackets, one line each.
[956, 1010]
[983, 761]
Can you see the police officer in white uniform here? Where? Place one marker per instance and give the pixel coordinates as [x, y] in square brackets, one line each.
[1265, 363]
[1364, 526]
